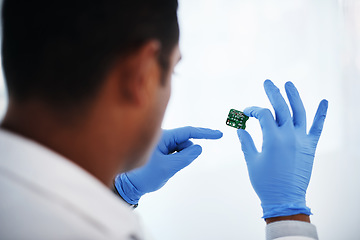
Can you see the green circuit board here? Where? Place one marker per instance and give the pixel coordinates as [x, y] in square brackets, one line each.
[236, 119]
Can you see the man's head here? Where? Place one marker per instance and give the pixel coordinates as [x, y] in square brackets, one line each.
[108, 60]
[61, 50]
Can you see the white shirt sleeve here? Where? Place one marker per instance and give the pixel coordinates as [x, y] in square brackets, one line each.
[291, 230]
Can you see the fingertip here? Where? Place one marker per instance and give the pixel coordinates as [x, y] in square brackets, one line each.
[247, 143]
[184, 145]
[240, 132]
[290, 88]
[196, 149]
[243, 135]
[217, 134]
[289, 84]
[193, 151]
[221, 134]
[271, 90]
[268, 84]
[323, 106]
[319, 119]
[248, 111]
[268, 81]
[206, 133]
[325, 102]
[212, 134]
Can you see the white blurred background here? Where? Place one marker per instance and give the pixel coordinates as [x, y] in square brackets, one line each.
[229, 48]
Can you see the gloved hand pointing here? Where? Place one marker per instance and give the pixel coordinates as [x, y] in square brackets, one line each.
[174, 152]
[280, 174]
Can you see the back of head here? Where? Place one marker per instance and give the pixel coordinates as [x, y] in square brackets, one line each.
[60, 50]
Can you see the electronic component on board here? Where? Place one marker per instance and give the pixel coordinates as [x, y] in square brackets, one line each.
[236, 119]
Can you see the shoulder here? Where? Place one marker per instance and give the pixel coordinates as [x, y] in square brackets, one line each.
[45, 195]
[29, 211]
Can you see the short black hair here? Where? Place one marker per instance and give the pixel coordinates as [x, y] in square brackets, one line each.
[60, 50]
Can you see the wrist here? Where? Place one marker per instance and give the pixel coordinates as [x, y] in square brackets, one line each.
[126, 189]
[297, 217]
[119, 195]
[290, 209]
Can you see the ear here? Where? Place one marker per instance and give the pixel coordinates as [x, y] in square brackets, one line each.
[140, 74]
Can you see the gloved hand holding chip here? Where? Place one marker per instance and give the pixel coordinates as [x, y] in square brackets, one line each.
[281, 172]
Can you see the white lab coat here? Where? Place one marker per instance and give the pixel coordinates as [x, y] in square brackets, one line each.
[291, 230]
[45, 196]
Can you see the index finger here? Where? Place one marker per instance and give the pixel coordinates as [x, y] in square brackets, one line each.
[185, 133]
[265, 118]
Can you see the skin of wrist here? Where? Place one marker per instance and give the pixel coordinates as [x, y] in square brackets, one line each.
[297, 217]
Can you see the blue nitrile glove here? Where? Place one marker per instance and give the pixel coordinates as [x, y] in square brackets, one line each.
[174, 152]
[280, 174]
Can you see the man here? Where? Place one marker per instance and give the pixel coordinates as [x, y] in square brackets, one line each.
[88, 83]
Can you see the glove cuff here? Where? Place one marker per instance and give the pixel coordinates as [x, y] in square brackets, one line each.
[126, 189]
[285, 210]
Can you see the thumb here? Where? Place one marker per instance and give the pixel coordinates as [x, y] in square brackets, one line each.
[188, 155]
[247, 144]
